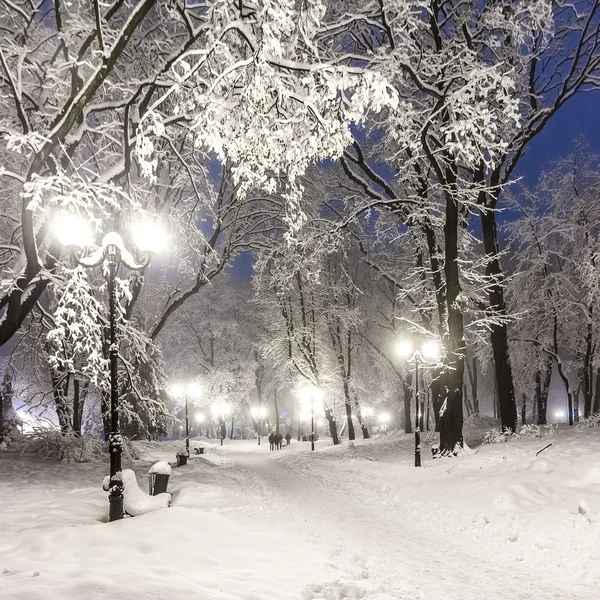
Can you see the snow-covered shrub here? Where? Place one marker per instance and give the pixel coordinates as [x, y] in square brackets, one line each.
[495, 436]
[531, 431]
[431, 438]
[51, 444]
[589, 422]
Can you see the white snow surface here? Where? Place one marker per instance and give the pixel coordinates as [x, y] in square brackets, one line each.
[339, 523]
[162, 467]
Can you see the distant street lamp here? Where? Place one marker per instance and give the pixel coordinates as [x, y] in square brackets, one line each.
[200, 418]
[220, 409]
[429, 352]
[312, 394]
[185, 391]
[73, 231]
[384, 419]
[258, 414]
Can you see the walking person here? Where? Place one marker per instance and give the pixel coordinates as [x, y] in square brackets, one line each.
[271, 441]
[288, 438]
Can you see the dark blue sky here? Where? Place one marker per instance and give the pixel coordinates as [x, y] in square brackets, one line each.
[579, 117]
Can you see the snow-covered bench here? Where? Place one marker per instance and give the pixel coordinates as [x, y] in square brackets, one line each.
[136, 502]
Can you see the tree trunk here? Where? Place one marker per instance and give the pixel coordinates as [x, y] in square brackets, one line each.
[79, 397]
[276, 405]
[498, 331]
[576, 403]
[524, 409]
[541, 391]
[451, 413]
[407, 395]
[363, 426]
[60, 393]
[472, 372]
[437, 386]
[596, 406]
[467, 401]
[332, 426]
[232, 422]
[587, 369]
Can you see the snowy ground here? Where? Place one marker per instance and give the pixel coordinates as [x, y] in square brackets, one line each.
[249, 524]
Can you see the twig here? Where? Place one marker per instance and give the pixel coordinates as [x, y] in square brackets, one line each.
[548, 446]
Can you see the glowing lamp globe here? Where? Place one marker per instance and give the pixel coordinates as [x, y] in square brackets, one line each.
[194, 390]
[405, 348]
[384, 418]
[72, 230]
[431, 350]
[177, 390]
[200, 418]
[149, 237]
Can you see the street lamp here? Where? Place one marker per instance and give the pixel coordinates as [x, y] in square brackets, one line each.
[312, 394]
[384, 419]
[258, 414]
[220, 409]
[185, 391]
[200, 418]
[429, 352]
[73, 231]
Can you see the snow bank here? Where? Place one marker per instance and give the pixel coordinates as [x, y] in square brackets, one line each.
[138, 503]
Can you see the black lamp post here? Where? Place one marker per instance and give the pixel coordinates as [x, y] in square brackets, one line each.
[311, 393]
[429, 352]
[185, 392]
[73, 231]
[258, 414]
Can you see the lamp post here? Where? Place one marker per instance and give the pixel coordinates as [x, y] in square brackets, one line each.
[185, 391]
[200, 419]
[258, 414]
[312, 393]
[429, 352]
[73, 231]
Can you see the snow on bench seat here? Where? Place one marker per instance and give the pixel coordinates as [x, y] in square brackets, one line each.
[135, 501]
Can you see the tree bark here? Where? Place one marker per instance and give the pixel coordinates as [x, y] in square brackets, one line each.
[79, 397]
[596, 406]
[524, 409]
[332, 426]
[451, 413]
[407, 396]
[542, 387]
[499, 331]
[276, 405]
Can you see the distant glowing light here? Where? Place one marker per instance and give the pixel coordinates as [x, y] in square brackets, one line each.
[384, 418]
[72, 230]
[431, 350]
[405, 348]
[220, 409]
[149, 236]
[194, 390]
[200, 418]
[177, 390]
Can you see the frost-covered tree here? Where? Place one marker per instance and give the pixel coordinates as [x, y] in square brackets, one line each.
[556, 281]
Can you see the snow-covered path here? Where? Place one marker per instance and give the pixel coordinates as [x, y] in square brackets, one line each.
[380, 549]
[355, 523]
